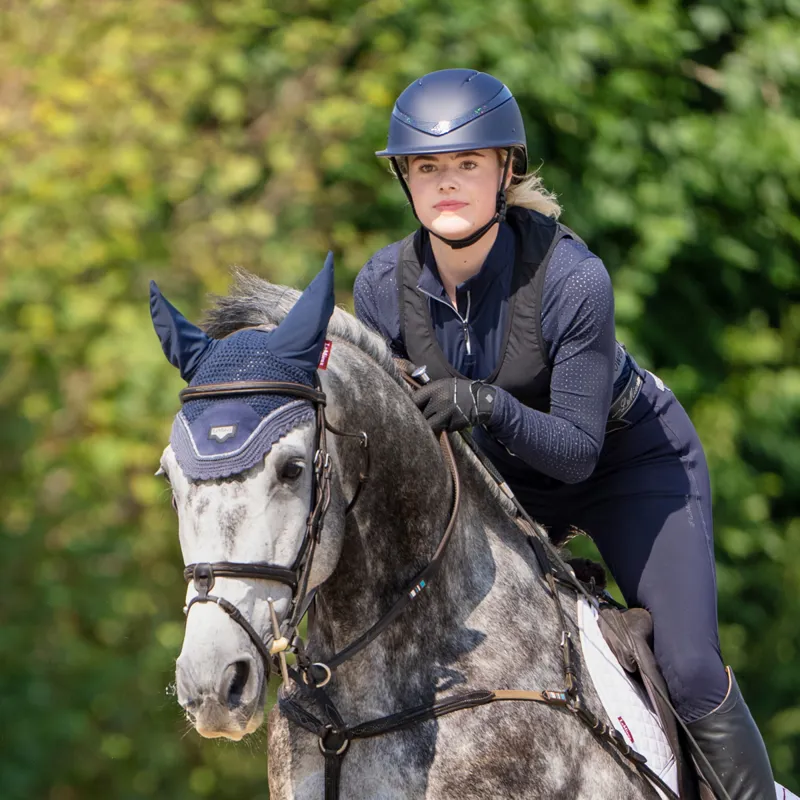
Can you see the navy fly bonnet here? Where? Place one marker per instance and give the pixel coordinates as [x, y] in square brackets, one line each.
[217, 438]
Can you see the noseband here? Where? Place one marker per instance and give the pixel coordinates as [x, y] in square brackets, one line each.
[295, 577]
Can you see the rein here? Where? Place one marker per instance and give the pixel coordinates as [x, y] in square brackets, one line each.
[334, 736]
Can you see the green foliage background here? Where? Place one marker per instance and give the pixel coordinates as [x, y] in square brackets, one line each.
[169, 139]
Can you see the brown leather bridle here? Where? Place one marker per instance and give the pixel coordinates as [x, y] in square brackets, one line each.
[334, 736]
[295, 577]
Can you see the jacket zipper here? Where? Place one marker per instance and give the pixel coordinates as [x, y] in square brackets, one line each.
[464, 320]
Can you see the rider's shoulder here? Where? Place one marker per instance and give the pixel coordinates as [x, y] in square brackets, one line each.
[574, 268]
[570, 247]
[574, 250]
[380, 265]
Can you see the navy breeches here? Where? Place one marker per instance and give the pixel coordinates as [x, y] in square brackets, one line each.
[647, 506]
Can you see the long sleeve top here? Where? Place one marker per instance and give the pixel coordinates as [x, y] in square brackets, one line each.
[577, 327]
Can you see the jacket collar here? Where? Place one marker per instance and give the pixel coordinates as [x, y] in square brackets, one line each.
[499, 259]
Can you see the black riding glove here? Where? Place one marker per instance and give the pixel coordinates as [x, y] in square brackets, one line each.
[452, 404]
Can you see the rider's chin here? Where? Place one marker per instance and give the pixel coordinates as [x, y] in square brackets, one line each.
[450, 224]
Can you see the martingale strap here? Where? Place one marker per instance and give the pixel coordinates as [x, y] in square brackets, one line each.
[334, 739]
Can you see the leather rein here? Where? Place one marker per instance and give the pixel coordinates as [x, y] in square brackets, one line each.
[334, 735]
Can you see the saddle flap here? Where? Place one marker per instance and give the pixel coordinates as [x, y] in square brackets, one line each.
[629, 635]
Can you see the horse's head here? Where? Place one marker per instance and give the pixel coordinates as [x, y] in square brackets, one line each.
[248, 466]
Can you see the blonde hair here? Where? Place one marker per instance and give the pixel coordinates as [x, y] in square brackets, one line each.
[525, 191]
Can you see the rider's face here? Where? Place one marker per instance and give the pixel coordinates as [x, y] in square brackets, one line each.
[455, 193]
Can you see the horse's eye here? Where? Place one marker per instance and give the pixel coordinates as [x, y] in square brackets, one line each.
[174, 504]
[292, 470]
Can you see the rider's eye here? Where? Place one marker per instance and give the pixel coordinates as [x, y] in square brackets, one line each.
[292, 470]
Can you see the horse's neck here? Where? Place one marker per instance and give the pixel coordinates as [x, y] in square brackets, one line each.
[398, 519]
[396, 526]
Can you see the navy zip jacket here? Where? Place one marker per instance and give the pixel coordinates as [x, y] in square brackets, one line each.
[578, 330]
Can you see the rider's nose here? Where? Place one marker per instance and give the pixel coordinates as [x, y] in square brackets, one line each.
[234, 681]
[447, 178]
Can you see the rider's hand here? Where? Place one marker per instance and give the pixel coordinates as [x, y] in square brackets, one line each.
[451, 404]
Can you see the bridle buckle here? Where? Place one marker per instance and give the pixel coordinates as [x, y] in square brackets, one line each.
[203, 578]
[322, 462]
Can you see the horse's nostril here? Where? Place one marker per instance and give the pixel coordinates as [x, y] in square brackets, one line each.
[240, 675]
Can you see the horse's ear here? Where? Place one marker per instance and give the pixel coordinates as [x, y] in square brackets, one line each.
[299, 339]
[185, 345]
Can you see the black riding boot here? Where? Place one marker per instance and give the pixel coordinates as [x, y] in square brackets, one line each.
[730, 740]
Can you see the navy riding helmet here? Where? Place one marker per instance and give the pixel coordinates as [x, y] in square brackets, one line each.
[455, 110]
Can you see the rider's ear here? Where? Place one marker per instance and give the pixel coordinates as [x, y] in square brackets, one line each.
[299, 339]
[185, 345]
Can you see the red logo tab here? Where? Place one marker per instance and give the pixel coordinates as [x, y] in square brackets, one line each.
[325, 355]
[625, 728]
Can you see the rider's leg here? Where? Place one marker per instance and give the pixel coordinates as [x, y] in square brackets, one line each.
[648, 509]
[729, 739]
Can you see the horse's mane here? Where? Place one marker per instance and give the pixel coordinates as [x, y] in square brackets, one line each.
[255, 301]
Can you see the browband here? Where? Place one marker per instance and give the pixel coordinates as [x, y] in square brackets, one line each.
[235, 388]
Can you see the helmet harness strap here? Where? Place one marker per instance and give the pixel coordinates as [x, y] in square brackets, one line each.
[499, 215]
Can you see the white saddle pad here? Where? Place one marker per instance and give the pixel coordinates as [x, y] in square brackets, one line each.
[627, 704]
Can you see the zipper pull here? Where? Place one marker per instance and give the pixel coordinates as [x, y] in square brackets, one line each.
[466, 322]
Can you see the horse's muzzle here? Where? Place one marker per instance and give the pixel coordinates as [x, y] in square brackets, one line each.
[233, 708]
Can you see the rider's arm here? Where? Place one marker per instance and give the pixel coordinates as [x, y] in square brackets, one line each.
[375, 299]
[578, 328]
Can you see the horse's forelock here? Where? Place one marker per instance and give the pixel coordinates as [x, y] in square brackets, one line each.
[254, 301]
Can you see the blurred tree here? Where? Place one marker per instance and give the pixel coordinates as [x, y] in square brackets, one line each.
[169, 139]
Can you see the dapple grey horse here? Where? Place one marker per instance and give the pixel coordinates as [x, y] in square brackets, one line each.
[487, 621]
